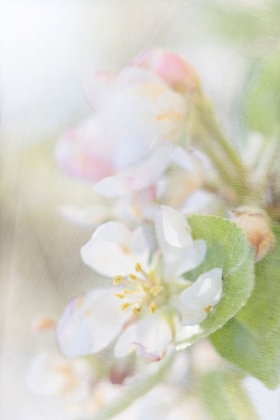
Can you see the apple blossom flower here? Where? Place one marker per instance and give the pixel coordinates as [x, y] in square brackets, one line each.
[129, 142]
[150, 300]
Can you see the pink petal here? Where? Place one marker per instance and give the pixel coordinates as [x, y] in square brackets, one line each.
[172, 68]
[85, 152]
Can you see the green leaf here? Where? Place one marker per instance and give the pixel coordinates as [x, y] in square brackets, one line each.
[262, 312]
[252, 339]
[225, 398]
[260, 106]
[228, 249]
[236, 343]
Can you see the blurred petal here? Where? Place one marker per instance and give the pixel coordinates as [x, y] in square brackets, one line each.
[172, 68]
[85, 216]
[53, 374]
[85, 151]
[136, 177]
[133, 76]
[90, 322]
[98, 88]
[185, 159]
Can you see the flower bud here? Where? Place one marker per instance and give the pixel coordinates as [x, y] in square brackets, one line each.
[170, 67]
[255, 224]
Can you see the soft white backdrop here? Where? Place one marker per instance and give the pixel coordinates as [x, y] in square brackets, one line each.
[48, 50]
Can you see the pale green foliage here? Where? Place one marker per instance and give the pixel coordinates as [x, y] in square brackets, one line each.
[260, 106]
[228, 249]
[252, 339]
[225, 398]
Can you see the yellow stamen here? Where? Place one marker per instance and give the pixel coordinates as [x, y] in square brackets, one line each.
[136, 310]
[132, 277]
[208, 309]
[158, 280]
[155, 290]
[153, 307]
[151, 274]
[131, 291]
[125, 305]
[117, 280]
[119, 295]
[138, 267]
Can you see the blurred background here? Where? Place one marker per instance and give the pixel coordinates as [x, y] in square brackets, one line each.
[48, 50]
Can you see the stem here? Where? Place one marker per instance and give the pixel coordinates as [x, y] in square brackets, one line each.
[135, 391]
[212, 125]
[215, 144]
[266, 163]
[219, 164]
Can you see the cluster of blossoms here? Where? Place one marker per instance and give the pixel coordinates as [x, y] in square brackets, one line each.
[130, 150]
[135, 134]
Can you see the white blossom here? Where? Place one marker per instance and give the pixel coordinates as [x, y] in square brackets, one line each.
[150, 300]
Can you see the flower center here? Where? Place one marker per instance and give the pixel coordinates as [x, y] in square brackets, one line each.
[142, 290]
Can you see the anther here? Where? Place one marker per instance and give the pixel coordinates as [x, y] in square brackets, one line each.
[153, 307]
[117, 280]
[138, 267]
[119, 295]
[125, 305]
[130, 291]
[155, 290]
[132, 277]
[136, 310]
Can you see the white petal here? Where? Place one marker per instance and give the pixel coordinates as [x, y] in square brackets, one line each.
[198, 201]
[146, 353]
[114, 250]
[205, 292]
[191, 258]
[90, 322]
[173, 228]
[185, 159]
[113, 232]
[131, 76]
[194, 317]
[85, 216]
[151, 334]
[136, 177]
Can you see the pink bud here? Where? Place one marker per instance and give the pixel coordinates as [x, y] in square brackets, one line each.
[173, 69]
